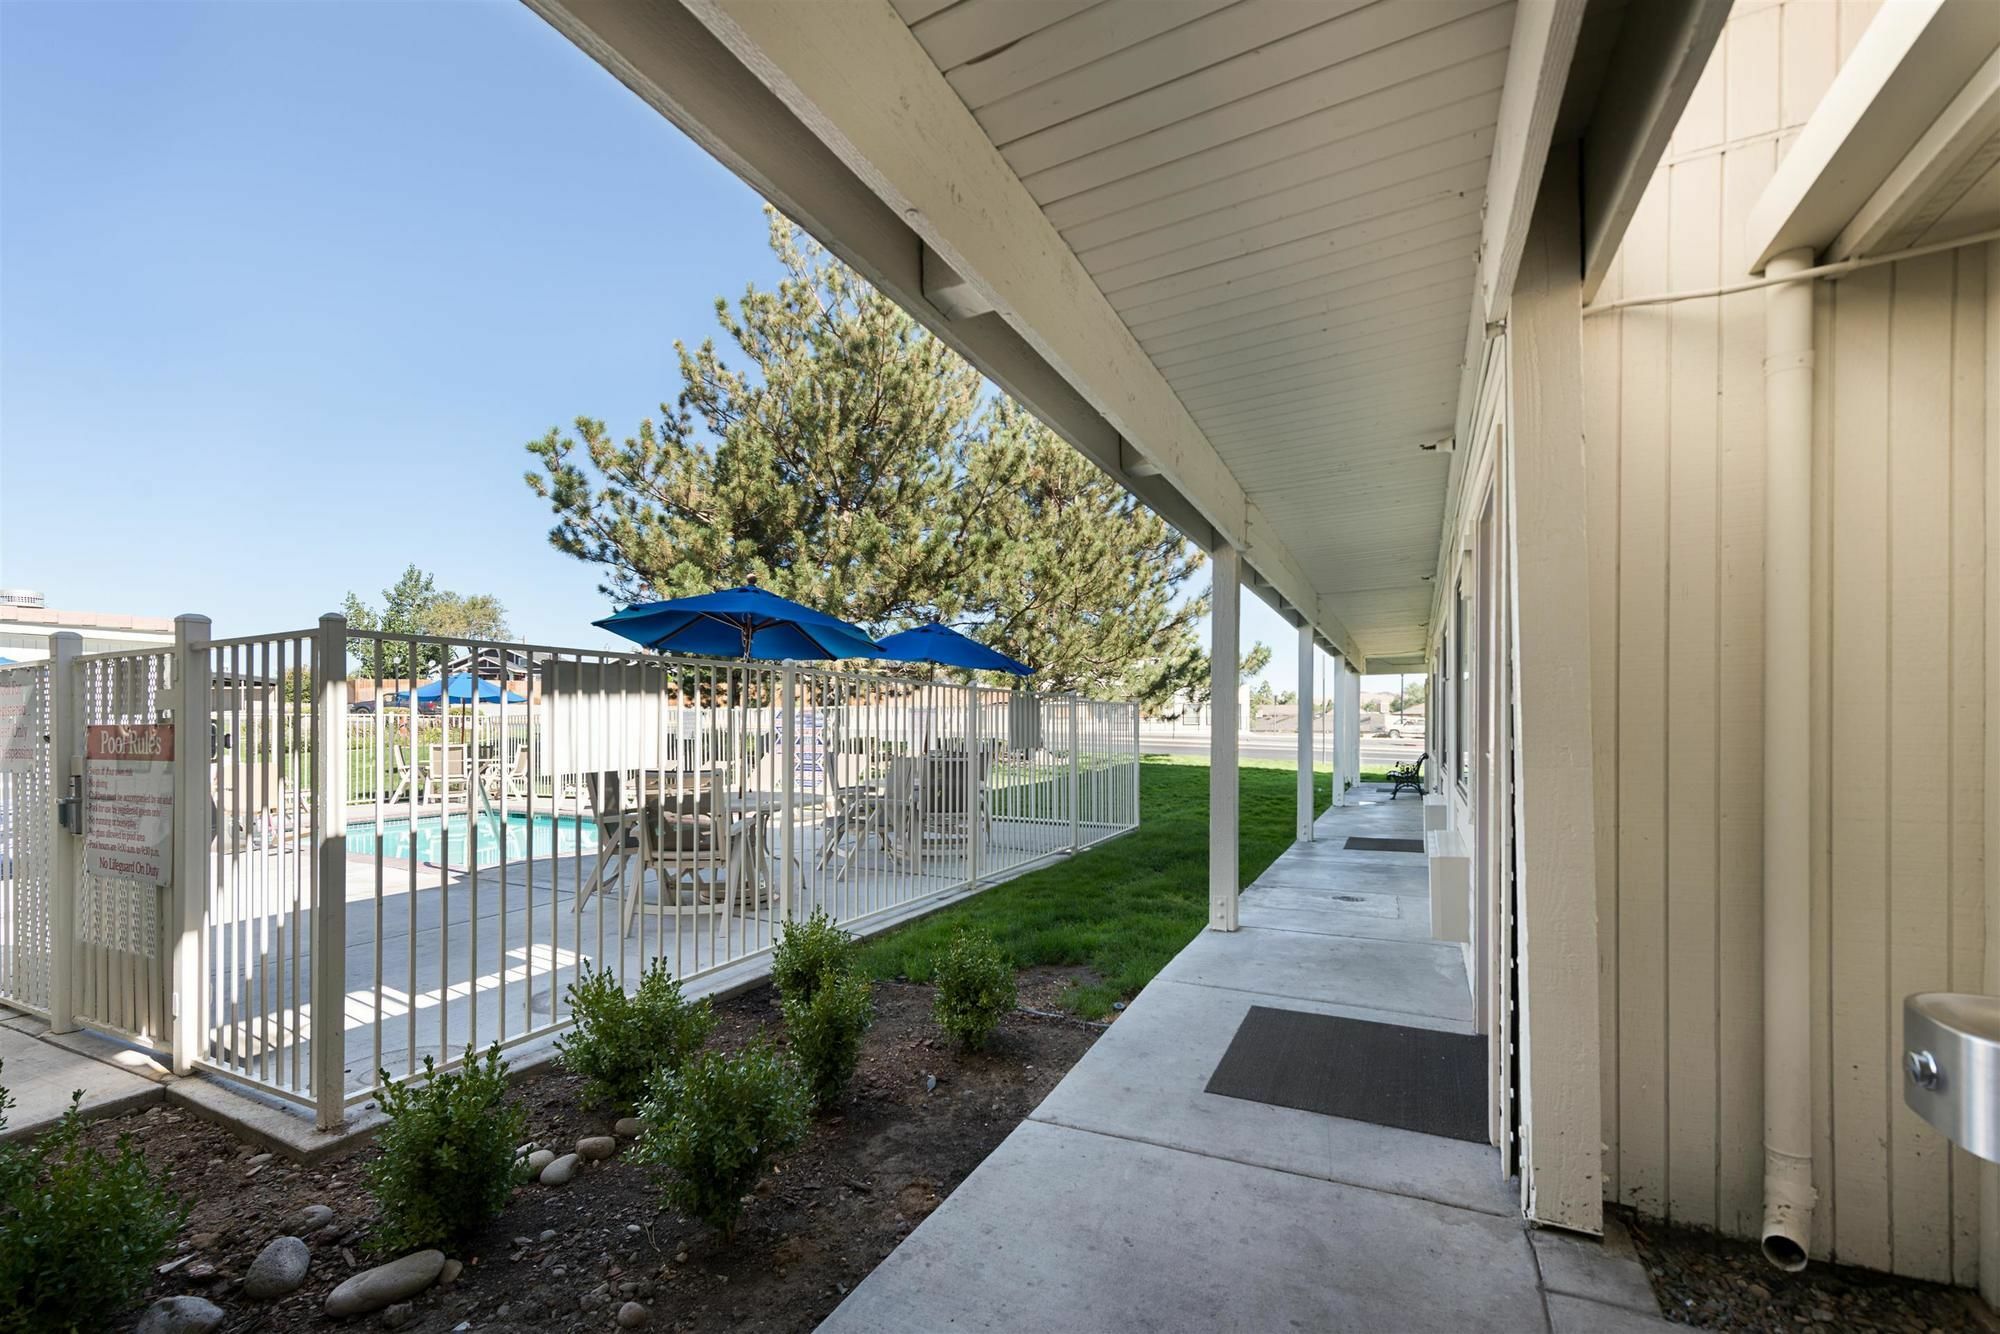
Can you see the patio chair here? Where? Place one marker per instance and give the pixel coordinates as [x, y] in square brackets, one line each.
[616, 825]
[508, 781]
[683, 837]
[449, 771]
[399, 769]
[889, 813]
[944, 815]
[1409, 776]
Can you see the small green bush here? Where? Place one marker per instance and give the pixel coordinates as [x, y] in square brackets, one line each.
[975, 988]
[808, 954]
[447, 1162]
[620, 1040]
[79, 1232]
[825, 1030]
[713, 1126]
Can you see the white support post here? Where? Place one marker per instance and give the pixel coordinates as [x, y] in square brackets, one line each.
[1225, 621]
[329, 824]
[975, 824]
[192, 835]
[1989, 1173]
[1555, 860]
[1305, 734]
[1075, 773]
[1350, 720]
[1336, 735]
[65, 765]
[788, 757]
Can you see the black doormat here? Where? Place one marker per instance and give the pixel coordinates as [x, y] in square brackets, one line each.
[1356, 843]
[1411, 1078]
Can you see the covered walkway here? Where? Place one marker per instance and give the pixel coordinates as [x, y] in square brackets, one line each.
[1132, 1199]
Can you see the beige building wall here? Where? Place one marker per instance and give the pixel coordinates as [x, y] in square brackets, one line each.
[1674, 418]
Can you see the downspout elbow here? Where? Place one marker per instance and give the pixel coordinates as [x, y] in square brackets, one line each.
[1789, 1198]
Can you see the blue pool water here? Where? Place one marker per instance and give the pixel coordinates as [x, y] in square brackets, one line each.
[438, 845]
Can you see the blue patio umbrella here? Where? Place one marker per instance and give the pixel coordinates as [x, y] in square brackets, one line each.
[744, 622]
[948, 648]
[461, 688]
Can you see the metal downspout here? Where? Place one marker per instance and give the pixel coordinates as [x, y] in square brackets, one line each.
[1789, 1195]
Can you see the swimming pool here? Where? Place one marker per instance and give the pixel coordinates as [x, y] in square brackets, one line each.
[436, 844]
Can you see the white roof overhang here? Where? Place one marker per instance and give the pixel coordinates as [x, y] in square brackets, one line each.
[1240, 253]
[1904, 149]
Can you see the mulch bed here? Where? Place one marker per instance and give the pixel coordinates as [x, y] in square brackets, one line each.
[1715, 1282]
[921, 1117]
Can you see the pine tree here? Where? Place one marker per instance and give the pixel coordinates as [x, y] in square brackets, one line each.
[858, 465]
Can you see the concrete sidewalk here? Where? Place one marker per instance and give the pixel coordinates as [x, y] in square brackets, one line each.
[1132, 1200]
[41, 1073]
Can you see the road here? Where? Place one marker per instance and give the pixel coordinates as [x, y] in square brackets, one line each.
[1376, 752]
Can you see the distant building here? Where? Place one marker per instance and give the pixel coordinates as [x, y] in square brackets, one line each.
[26, 625]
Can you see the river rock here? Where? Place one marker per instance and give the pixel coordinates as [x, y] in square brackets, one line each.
[539, 1159]
[633, 1316]
[628, 1126]
[594, 1147]
[180, 1315]
[385, 1285]
[278, 1269]
[560, 1172]
[449, 1274]
[309, 1220]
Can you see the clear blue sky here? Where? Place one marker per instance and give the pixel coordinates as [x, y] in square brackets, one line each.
[302, 279]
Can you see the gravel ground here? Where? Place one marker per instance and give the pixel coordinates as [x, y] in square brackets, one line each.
[919, 1118]
[1714, 1282]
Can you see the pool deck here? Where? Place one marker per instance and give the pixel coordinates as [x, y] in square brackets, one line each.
[442, 958]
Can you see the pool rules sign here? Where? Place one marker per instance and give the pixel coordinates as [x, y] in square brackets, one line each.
[128, 827]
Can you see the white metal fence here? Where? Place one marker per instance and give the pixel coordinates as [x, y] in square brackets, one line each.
[352, 889]
[460, 858]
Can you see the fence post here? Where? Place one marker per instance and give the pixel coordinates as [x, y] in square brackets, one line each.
[193, 831]
[1138, 758]
[65, 764]
[788, 755]
[1075, 771]
[329, 825]
[975, 822]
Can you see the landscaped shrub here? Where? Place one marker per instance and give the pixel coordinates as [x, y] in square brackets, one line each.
[809, 953]
[825, 1030]
[620, 1040]
[975, 988]
[80, 1232]
[447, 1162]
[714, 1125]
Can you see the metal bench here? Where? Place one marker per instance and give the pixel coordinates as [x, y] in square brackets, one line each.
[1409, 776]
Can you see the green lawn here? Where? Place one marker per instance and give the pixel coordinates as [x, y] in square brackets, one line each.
[1125, 908]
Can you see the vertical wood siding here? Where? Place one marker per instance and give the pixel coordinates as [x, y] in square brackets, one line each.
[1675, 421]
